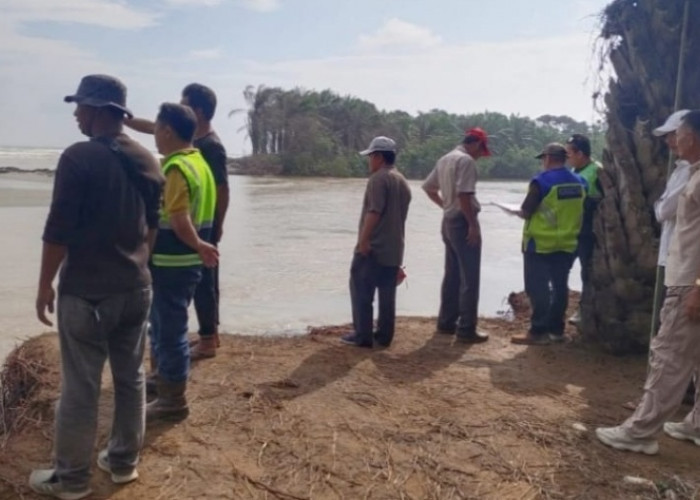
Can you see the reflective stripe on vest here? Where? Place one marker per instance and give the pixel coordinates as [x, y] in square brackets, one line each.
[555, 225]
[169, 250]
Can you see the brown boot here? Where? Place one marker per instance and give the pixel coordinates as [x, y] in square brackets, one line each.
[193, 343]
[205, 348]
[170, 405]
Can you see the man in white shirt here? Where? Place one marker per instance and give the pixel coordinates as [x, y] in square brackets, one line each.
[675, 351]
[666, 206]
[452, 186]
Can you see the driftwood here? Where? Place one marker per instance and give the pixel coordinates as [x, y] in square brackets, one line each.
[640, 39]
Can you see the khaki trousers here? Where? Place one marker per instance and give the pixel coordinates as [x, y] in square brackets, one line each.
[675, 358]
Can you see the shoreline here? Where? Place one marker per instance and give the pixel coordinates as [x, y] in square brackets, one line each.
[304, 417]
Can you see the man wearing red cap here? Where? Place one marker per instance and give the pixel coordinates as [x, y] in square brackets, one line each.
[452, 186]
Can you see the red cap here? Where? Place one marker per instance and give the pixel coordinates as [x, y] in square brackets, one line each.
[482, 136]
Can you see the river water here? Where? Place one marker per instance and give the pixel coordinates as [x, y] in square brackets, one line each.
[285, 254]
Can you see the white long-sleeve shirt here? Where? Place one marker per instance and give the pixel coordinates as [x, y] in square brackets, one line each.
[665, 207]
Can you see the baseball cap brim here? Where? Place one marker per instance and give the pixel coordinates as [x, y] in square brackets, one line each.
[366, 152]
[97, 103]
[663, 130]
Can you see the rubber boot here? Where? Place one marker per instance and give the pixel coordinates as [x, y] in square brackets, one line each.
[205, 348]
[170, 405]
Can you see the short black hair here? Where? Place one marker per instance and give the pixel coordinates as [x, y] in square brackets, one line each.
[389, 156]
[180, 118]
[692, 119]
[201, 97]
[580, 143]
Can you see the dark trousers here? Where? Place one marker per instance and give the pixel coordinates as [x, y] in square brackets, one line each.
[366, 277]
[206, 301]
[91, 331]
[459, 297]
[173, 289]
[547, 286]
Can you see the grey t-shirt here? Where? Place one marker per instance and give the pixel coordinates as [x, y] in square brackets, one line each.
[388, 195]
[454, 173]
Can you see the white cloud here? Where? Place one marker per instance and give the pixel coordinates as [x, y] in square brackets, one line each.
[256, 5]
[398, 33]
[213, 53]
[529, 77]
[261, 5]
[105, 13]
[194, 3]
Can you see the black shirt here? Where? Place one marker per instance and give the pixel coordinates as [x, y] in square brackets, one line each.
[106, 196]
[215, 155]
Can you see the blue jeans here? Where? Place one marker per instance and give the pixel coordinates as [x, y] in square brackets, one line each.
[92, 330]
[173, 290]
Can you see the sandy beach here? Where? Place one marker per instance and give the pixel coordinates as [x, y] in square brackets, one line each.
[307, 418]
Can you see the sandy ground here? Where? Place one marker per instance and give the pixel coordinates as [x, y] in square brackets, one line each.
[308, 418]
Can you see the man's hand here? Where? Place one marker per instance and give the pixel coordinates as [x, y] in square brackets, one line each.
[208, 253]
[363, 248]
[474, 235]
[45, 300]
[692, 305]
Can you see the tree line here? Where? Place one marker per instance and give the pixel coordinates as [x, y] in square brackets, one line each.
[310, 133]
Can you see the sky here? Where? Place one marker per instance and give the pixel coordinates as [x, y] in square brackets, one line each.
[465, 56]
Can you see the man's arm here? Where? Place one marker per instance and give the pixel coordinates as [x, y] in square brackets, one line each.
[531, 202]
[61, 227]
[435, 197]
[181, 224]
[52, 256]
[222, 201]
[369, 223]
[151, 239]
[666, 206]
[467, 206]
[431, 187]
[141, 125]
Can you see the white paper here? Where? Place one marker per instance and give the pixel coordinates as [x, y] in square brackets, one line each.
[509, 208]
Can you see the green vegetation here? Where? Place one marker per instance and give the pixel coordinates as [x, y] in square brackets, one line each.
[310, 133]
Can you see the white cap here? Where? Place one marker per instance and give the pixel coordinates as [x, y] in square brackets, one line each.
[380, 143]
[672, 123]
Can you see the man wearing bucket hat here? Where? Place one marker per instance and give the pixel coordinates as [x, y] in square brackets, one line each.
[553, 213]
[102, 219]
[452, 186]
[380, 246]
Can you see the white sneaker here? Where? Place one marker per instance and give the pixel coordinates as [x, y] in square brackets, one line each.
[575, 319]
[681, 430]
[45, 482]
[618, 438]
[103, 464]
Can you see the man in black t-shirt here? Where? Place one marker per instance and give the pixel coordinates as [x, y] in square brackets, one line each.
[202, 100]
[102, 221]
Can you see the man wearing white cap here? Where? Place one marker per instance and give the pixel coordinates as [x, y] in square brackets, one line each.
[665, 207]
[380, 246]
[675, 351]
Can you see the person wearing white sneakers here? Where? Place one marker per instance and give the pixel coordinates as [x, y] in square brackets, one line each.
[103, 216]
[675, 351]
